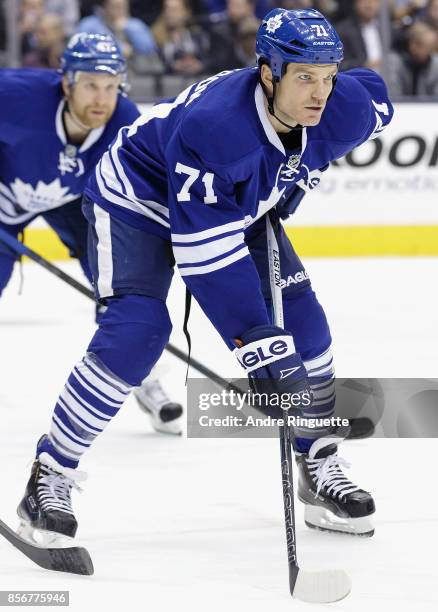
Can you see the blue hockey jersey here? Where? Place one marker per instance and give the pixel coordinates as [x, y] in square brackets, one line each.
[204, 167]
[39, 169]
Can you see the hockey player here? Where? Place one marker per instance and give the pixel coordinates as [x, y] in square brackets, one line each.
[192, 182]
[53, 131]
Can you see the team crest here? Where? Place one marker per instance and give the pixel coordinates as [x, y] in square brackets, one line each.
[273, 23]
[68, 162]
[70, 150]
[293, 162]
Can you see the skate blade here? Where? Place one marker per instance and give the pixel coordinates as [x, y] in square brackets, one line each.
[317, 517]
[173, 428]
[43, 538]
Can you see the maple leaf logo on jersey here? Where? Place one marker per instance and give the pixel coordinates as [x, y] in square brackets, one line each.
[40, 198]
[273, 23]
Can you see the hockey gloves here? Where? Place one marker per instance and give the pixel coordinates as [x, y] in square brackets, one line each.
[273, 368]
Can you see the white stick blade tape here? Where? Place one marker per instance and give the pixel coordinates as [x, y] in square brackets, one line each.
[322, 587]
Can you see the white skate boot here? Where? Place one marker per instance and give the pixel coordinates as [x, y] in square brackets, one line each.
[165, 415]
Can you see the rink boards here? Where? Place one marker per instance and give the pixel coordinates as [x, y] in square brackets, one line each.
[382, 199]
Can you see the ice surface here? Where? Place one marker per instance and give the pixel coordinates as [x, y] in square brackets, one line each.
[178, 524]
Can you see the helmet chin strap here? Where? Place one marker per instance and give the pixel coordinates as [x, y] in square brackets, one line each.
[272, 112]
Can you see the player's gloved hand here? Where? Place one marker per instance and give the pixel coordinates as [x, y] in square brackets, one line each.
[269, 359]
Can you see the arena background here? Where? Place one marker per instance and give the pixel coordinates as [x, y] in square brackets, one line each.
[381, 200]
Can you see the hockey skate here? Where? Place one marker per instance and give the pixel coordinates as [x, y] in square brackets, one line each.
[165, 415]
[332, 501]
[45, 512]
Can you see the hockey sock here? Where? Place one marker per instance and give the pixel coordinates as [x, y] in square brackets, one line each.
[305, 318]
[322, 383]
[91, 397]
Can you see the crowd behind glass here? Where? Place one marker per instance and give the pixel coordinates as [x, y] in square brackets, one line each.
[170, 43]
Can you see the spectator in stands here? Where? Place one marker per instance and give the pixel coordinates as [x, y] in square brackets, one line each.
[150, 11]
[240, 53]
[415, 73]
[361, 36]
[327, 7]
[49, 43]
[238, 10]
[88, 7]
[404, 12]
[225, 33]
[344, 10]
[113, 17]
[2, 28]
[184, 47]
[30, 12]
[431, 14]
[68, 10]
[218, 10]
[244, 46]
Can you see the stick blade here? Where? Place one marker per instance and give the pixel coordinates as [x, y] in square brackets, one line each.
[321, 586]
[75, 559]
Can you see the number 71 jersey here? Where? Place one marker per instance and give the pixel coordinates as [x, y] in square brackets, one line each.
[210, 159]
[202, 168]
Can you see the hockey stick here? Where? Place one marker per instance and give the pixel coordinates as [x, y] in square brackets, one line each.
[365, 429]
[22, 249]
[75, 560]
[320, 586]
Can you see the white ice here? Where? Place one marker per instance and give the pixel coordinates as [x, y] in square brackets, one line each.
[175, 524]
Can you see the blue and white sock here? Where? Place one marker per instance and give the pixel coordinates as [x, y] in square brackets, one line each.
[321, 374]
[91, 397]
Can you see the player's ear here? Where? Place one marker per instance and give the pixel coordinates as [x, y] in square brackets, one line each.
[65, 86]
[266, 77]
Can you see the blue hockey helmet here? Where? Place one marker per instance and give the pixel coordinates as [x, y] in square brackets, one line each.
[92, 53]
[301, 36]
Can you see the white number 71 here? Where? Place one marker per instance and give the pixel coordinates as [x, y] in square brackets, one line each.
[192, 176]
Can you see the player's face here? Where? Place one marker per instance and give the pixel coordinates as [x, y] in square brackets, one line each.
[93, 98]
[303, 91]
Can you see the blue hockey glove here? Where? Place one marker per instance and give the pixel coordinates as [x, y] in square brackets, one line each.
[274, 368]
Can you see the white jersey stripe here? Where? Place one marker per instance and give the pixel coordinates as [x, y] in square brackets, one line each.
[217, 265]
[134, 206]
[208, 250]
[160, 111]
[104, 251]
[209, 233]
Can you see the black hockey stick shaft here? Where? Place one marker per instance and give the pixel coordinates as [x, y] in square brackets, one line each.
[284, 430]
[22, 249]
[288, 501]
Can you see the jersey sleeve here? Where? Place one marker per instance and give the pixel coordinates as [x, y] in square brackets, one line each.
[207, 231]
[127, 111]
[376, 99]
